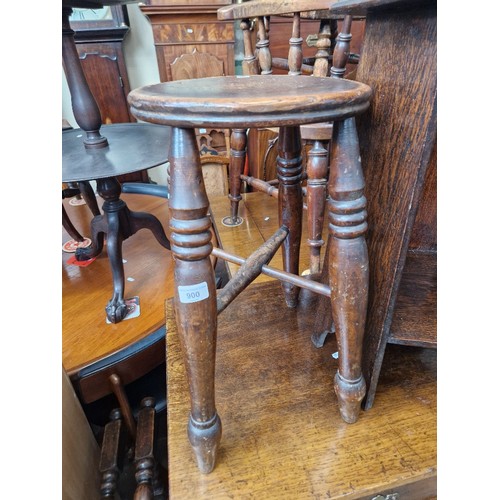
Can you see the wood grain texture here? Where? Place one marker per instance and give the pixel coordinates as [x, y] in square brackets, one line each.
[80, 452]
[283, 435]
[397, 137]
[252, 101]
[414, 321]
[86, 337]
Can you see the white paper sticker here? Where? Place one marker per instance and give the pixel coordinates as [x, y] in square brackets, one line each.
[193, 293]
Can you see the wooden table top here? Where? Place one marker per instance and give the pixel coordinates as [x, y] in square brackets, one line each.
[86, 336]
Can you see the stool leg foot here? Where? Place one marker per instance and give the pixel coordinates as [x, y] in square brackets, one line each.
[195, 292]
[205, 438]
[350, 393]
[348, 265]
[290, 200]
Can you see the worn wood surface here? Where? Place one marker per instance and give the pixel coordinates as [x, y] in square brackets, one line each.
[86, 337]
[414, 320]
[397, 137]
[283, 435]
[254, 101]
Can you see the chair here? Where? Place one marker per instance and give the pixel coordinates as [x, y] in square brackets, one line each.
[331, 57]
[286, 102]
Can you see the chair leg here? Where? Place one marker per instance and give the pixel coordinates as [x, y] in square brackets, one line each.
[317, 169]
[236, 167]
[348, 265]
[112, 447]
[146, 475]
[195, 295]
[290, 200]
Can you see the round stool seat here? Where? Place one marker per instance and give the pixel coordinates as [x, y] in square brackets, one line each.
[250, 101]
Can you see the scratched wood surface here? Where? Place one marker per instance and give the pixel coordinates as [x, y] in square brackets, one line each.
[86, 337]
[283, 437]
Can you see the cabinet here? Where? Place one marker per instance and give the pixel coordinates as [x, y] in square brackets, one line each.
[397, 138]
[191, 43]
[189, 27]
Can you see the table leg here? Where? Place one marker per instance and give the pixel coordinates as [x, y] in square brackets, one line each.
[118, 223]
[348, 265]
[195, 295]
[69, 227]
[290, 200]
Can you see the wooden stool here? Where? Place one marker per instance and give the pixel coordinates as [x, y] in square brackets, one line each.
[261, 101]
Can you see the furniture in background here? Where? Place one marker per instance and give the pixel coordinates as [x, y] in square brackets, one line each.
[88, 155]
[398, 147]
[181, 27]
[99, 36]
[331, 57]
[262, 151]
[117, 448]
[117, 363]
[239, 103]
[191, 43]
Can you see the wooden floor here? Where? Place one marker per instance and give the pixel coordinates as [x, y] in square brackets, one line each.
[283, 437]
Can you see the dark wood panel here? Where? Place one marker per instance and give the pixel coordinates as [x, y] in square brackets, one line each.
[414, 321]
[397, 137]
[107, 79]
[424, 234]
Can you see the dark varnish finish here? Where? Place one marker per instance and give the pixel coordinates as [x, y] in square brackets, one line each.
[239, 103]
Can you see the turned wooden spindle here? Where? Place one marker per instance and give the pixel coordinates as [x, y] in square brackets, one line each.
[260, 185]
[342, 49]
[290, 200]
[317, 172]
[146, 467]
[249, 65]
[348, 264]
[295, 55]
[195, 296]
[119, 392]
[251, 269]
[110, 451]
[262, 46]
[236, 166]
[321, 63]
[85, 108]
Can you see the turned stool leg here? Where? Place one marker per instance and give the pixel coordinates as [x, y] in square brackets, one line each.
[236, 168]
[290, 201]
[195, 295]
[317, 171]
[348, 265]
